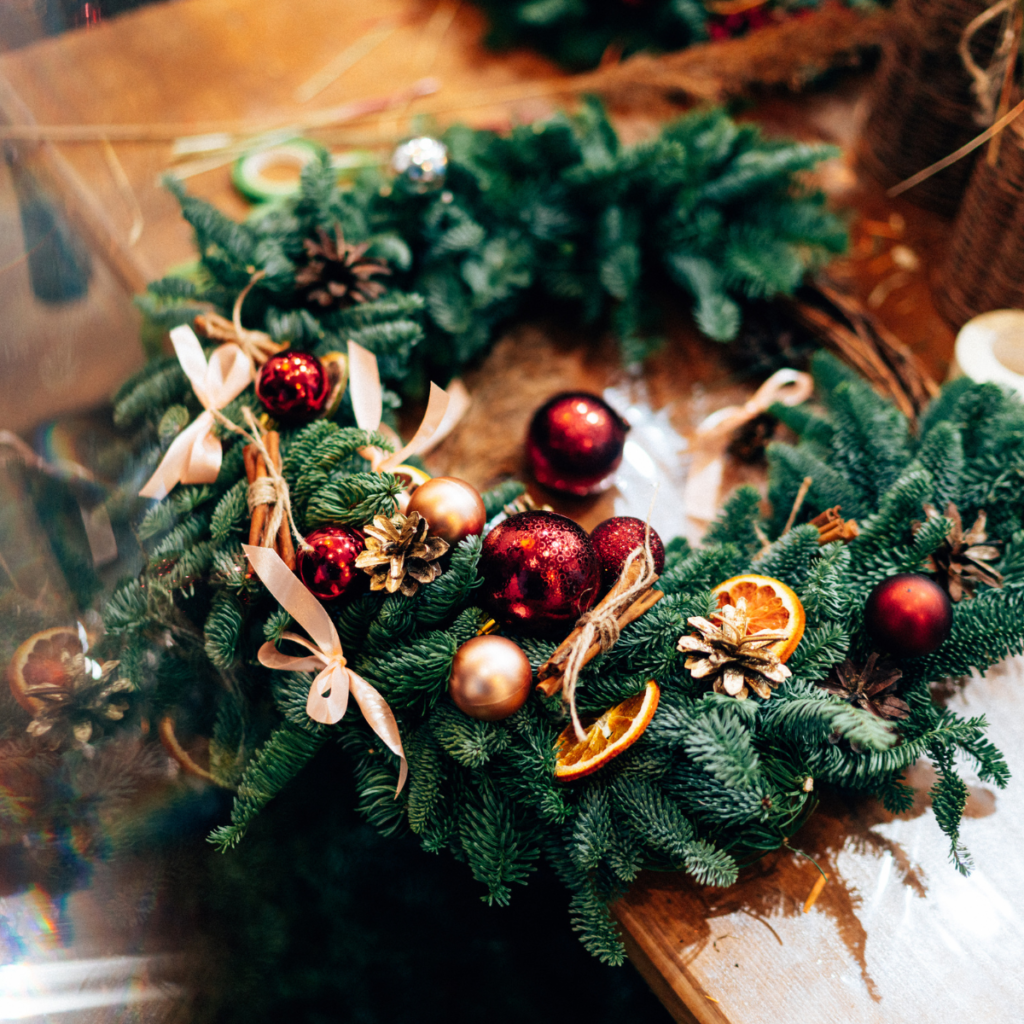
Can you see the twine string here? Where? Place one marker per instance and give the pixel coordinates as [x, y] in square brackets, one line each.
[257, 345]
[601, 624]
[269, 490]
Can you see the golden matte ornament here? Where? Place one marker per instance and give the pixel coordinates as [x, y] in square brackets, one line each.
[453, 508]
[490, 678]
[400, 553]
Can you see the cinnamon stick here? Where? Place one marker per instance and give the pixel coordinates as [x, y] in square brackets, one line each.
[259, 513]
[643, 604]
[283, 543]
[622, 584]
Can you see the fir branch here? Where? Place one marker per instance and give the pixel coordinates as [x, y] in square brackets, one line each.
[275, 764]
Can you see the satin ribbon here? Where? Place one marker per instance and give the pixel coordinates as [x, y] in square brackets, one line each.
[329, 692]
[368, 405]
[195, 455]
[704, 481]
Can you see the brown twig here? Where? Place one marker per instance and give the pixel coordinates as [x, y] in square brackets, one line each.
[843, 324]
[797, 503]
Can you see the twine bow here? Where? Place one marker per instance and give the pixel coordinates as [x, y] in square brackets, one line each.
[195, 455]
[272, 489]
[334, 681]
[444, 409]
[257, 345]
[700, 498]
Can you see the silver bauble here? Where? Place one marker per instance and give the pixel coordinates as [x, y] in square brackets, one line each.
[421, 164]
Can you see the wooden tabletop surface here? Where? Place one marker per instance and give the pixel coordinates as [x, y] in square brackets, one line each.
[896, 935]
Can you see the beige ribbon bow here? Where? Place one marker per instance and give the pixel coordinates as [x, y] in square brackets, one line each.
[328, 694]
[444, 409]
[195, 455]
[704, 480]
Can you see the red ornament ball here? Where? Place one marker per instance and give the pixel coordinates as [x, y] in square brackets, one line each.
[329, 570]
[540, 572]
[616, 539]
[575, 443]
[294, 386]
[908, 615]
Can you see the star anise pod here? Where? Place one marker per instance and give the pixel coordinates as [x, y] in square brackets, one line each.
[736, 661]
[90, 695]
[961, 562]
[337, 273]
[869, 687]
[400, 554]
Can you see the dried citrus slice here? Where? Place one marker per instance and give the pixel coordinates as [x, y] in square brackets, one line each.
[770, 605]
[607, 737]
[40, 665]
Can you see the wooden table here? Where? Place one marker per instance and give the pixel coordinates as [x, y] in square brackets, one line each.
[896, 934]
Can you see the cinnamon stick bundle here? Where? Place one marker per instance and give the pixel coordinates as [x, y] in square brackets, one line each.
[256, 469]
[550, 674]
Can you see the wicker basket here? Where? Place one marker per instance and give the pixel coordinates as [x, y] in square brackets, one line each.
[985, 266]
[922, 107]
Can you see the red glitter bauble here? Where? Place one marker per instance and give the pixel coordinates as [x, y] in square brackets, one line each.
[329, 570]
[908, 615]
[615, 539]
[294, 387]
[575, 443]
[540, 572]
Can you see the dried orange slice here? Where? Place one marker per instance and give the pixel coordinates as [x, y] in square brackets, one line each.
[770, 605]
[40, 665]
[607, 737]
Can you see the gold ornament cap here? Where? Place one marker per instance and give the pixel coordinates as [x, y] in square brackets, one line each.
[490, 678]
[453, 508]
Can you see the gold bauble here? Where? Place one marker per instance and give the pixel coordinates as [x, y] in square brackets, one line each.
[453, 508]
[491, 678]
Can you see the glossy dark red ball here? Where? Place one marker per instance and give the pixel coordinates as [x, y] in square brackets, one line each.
[575, 443]
[329, 570]
[294, 387]
[540, 572]
[908, 615]
[615, 539]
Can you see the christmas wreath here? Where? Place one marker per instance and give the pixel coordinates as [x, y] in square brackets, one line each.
[487, 228]
[579, 33]
[507, 687]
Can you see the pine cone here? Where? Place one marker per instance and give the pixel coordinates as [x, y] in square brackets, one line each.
[962, 561]
[400, 554]
[869, 687]
[74, 712]
[735, 661]
[337, 273]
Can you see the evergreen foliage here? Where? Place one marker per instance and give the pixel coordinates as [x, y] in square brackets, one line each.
[559, 213]
[577, 33]
[713, 780]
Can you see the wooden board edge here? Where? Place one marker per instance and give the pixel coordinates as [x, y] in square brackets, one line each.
[659, 965]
